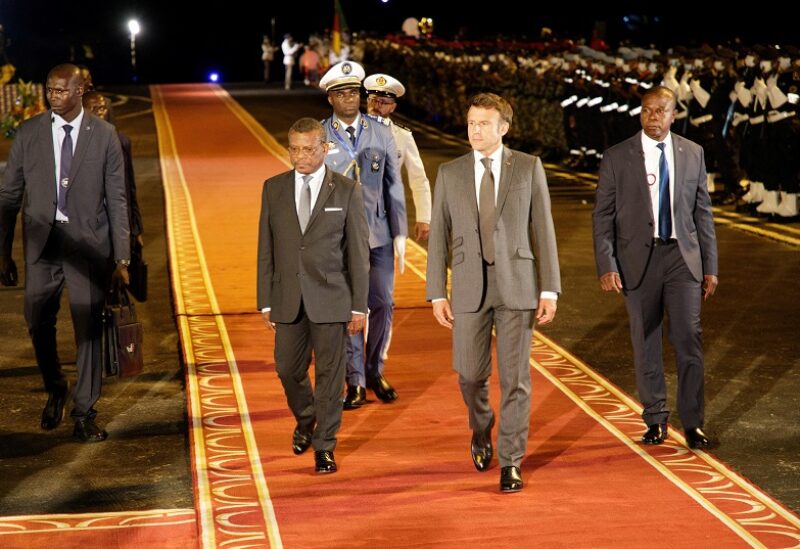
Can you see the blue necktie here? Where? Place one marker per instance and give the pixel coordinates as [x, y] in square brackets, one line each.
[664, 209]
[66, 166]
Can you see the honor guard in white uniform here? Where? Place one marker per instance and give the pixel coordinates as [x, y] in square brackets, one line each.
[382, 93]
[362, 147]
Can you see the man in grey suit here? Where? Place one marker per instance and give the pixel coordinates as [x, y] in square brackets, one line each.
[505, 274]
[313, 271]
[363, 148]
[654, 241]
[66, 171]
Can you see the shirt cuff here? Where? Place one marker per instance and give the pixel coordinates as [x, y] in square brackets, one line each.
[549, 295]
[266, 309]
[357, 312]
[438, 299]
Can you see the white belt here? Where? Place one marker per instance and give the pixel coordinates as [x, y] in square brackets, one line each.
[569, 101]
[594, 101]
[636, 111]
[700, 120]
[738, 118]
[777, 116]
[608, 108]
[582, 102]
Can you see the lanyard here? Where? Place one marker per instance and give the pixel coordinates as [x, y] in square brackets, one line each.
[352, 150]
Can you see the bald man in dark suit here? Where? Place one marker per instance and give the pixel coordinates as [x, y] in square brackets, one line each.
[654, 241]
[66, 172]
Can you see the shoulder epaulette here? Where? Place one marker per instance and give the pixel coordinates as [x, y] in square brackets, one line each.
[382, 120]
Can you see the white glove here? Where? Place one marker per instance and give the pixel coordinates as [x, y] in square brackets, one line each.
[400, 252]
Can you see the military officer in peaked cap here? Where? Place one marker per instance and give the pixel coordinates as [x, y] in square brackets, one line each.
[363, 148]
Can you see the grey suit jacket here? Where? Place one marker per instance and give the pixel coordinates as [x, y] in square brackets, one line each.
[328, 266]
[526, 255]
[381, 183]
[96, 196]
[623, 213]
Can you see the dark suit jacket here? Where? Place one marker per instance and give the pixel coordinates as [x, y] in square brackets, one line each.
[95, 199]
[623, 212]
[134, 214]
[328, 266]
[526, 254]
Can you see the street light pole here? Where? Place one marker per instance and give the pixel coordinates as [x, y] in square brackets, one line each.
[133, 26]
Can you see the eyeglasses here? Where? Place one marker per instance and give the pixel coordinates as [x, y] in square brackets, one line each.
[297, 151]
[382, 102]
[346, 94]
[58, 91]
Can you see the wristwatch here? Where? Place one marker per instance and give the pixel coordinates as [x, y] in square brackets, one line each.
[125, 262]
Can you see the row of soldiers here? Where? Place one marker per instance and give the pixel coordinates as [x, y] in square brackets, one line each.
[739, 105]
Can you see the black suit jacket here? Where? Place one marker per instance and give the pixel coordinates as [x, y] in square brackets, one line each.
[328, 266]
[95, 198]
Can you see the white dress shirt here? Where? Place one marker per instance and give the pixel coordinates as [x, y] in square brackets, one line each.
[652, 159]
[57, 128]
[315, 184]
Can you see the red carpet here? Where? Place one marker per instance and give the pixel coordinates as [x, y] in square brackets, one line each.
[405, 476]
[406, 479]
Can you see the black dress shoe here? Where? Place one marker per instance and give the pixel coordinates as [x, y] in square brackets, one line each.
[481, 448]
[86, 430]
[301, 439]
[696, 438]
[655, 434]
[510, 479]
[383, 390]
[324, 462]
[53, 411]
[356, 396]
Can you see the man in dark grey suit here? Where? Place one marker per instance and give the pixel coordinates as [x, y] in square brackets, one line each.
[66, 171]
[505, 274]
[313, 279]
[654, 241]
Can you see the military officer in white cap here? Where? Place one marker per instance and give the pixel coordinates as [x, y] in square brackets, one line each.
[382, 93]
[363, 148]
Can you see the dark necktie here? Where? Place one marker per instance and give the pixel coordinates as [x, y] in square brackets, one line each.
[486, 213]
[664, 209]
[66, 165]
[352, 132]
[304, 208]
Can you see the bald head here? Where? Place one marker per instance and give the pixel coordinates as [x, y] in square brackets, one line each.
[98, 104]
[64, 90]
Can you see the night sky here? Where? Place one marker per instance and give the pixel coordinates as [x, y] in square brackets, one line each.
[180, 43]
